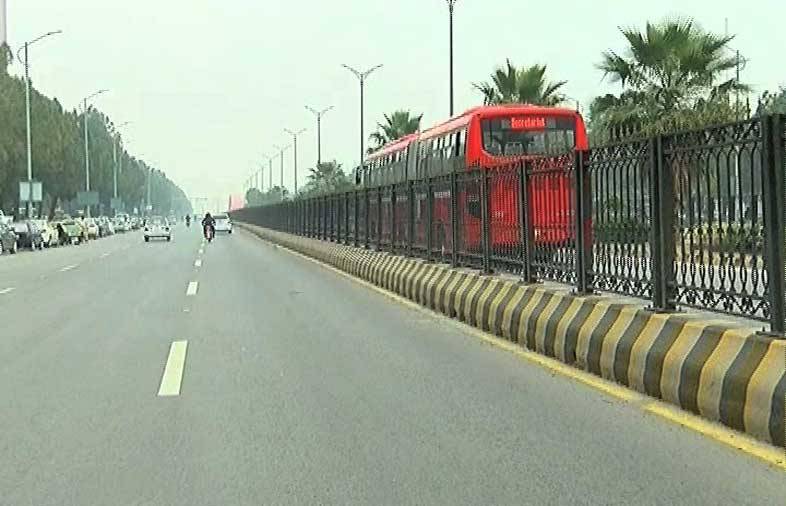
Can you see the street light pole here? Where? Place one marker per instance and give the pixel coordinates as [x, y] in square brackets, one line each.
[26, 48]
[87, 149]
[294, 138]
[451, 8]
[281, 155]
[115, 158]
[362, 76]
[319, 115]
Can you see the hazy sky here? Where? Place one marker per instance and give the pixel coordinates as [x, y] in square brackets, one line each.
[209, 85]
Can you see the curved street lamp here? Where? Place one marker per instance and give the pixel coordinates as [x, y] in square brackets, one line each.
[26, 59]
[362, 76]
[294, 141]
[87, 151]
[319, 115]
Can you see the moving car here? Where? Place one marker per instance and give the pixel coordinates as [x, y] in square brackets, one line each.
[157, 227]
[7, 239]
[28, 235]
[223, 223]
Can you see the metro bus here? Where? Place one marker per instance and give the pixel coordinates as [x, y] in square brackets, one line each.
[490, 137]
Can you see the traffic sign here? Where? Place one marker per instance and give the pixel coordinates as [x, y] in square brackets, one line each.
[24, 191]
[87, 198]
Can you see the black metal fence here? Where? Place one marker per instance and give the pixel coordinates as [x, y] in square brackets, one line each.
[693, 219]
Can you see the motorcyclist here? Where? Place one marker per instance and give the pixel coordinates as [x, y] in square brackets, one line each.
[188, 220]
[208, 222]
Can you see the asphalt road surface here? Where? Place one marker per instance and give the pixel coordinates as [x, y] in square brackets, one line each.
[291, 384]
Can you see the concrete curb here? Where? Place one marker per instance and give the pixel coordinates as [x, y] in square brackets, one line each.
[723, 372]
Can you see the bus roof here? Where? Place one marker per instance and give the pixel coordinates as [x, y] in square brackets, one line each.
[392, 147]
[492, 111]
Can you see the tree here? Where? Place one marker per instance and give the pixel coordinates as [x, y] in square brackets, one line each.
[58, 155]
[396, 126]
[771, 103]
[326, 178]
[672, 76]
[254, 197]
[528, 85]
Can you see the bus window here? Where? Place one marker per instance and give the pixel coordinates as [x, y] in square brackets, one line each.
[534, 136]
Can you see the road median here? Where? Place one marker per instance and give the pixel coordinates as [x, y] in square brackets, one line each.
[720, 370]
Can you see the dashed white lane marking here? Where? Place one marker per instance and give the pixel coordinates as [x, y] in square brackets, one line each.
[173, 371]
[192, 288]
[68, 268]
[7, 290]
[198, 262]
[201, 251]
[105, 255]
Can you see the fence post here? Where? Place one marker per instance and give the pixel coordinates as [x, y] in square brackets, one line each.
[379, 218]
[583, 215]
[325, 217]
[773, 166]
[365, 218]
[525, 226]
[662, 202]
[429, 216]
[453, 217]
[393, 222]
[485, 220]
[410, 216]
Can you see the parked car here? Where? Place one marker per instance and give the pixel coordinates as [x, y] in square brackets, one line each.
[105, 227]
[28, 235]
[7, 239]
[48, 232]
[91, 226]
[223, 223]
[70, 232]
[157, 227]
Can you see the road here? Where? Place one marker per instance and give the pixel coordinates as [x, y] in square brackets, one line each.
[300, 386]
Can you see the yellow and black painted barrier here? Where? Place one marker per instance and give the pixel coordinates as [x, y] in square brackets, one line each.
[721, 371]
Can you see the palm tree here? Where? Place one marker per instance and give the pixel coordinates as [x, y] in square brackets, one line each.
[526, 85]
[326, 178]
[671, 69]
[396, 126]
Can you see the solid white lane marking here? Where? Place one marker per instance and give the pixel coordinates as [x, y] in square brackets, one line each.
[198, 262]
[7, 290]
[68, 268]
[173, 371]
[192, 288]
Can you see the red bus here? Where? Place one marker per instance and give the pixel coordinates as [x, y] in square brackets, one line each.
[491, 137]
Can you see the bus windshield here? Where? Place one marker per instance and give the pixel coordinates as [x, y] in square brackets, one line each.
[528, 135]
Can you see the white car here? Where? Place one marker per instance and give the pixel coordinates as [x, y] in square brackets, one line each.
[223, 223]
[157, 227]
[48, 232]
